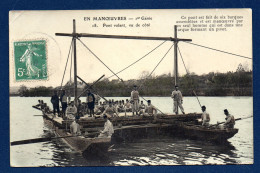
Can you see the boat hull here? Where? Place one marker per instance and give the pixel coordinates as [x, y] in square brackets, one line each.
[214, 134]
[79, 143]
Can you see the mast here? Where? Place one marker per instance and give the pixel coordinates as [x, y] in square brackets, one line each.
[75, 63]
[78, 35]
[175, 71]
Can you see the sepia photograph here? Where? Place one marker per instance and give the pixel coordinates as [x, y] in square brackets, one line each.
[131, 87]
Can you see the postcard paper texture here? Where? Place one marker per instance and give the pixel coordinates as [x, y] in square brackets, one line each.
[179, 83]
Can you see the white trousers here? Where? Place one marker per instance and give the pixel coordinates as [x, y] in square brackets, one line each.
[176, 104]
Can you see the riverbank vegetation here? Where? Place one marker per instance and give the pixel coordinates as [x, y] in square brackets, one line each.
[238, 83]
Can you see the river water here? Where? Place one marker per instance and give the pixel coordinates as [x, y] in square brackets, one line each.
[25, 124]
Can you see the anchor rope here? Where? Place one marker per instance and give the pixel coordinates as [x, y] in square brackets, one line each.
[188, 74]
[113, 71]
[66, 64]
[217, 50]
[138, 59]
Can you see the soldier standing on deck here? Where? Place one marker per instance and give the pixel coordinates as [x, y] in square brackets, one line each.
[177, 99]
[91, 103]
[55, 103]
[135, 100]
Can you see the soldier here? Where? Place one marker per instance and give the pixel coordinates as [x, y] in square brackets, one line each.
[135, 100]
[55, 103]
[108, 129]
[63, 100]
[205, 116]
[230, 120]
[177, 98]
[91, 103]
[110, 111]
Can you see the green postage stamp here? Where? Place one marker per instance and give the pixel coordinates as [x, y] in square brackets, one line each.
[30, 60]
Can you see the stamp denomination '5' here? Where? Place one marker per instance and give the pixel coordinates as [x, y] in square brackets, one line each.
[30, 60]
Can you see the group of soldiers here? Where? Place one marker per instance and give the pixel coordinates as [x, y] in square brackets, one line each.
[112, 108]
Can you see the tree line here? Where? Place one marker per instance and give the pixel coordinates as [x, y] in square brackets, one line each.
[238, 83]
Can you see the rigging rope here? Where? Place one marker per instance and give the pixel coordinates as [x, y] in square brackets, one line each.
[114, 72]
[188, 74]
[152, 73]
[100, 60]
[138, 59]
[66, 65]
[217, 50]
[157, 65]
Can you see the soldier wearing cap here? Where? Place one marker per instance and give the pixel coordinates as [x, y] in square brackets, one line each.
[110, 111]
[205, 116]
[230, 120]
[75, 127]
[108, 129]
[135, 100]
[177, 100]
[150, 109]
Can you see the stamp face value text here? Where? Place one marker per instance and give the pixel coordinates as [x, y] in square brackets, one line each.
[30, 60]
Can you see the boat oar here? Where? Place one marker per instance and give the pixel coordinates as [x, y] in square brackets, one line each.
[37, 140]
[235, 120]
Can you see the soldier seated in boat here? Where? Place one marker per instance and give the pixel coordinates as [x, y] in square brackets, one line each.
[110, 111]
[46, 108]
[71, 111]
[108, 128]
[120, 107]
[99, 109]
[142, 108]
[205, 117]
[128, 106]
[150, 110]
[230, 120]
[75, 127]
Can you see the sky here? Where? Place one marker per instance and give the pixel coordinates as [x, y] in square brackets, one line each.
[119, 53]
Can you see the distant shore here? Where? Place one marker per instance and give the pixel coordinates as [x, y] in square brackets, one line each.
[239, 83]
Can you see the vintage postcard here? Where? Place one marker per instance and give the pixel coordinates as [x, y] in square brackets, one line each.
[131, 87]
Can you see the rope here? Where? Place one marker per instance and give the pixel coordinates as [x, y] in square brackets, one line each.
[188, 74]
[100, 60]
[114, 72]
[218, 50]
[138, 59]
[153, 71]
[66, 65]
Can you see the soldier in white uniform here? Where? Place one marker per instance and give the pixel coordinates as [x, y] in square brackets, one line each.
[205, 116]
[108, 129]
[110, 111]
[71, 111]
[135, 100]
[177, 98]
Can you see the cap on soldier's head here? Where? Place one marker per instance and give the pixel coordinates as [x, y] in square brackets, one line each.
[176, 86]
[135, 86]
[203, 107]
[105, 116]
[225, 110]
[149, 101]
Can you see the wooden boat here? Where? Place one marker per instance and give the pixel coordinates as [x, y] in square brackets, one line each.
[211, 133]
[126, 126]
[80, 144]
